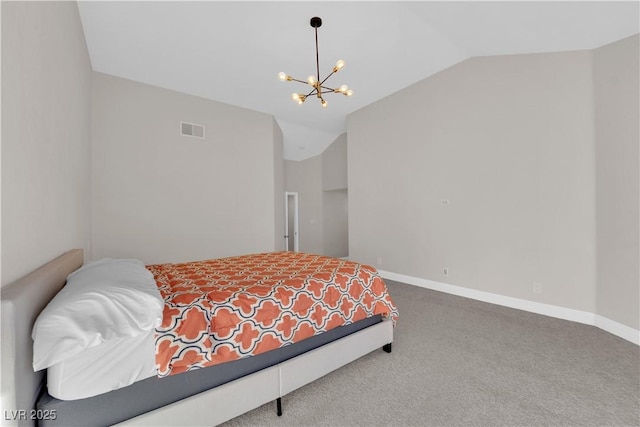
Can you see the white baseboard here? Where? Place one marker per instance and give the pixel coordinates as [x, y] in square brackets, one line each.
[613, 327]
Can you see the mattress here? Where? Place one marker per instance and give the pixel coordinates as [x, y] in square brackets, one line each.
[154, 392]
[100, 369]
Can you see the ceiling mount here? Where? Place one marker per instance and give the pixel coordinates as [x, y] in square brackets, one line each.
[314, 81]
[315, 22]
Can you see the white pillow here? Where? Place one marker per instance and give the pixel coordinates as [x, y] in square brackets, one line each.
[102, 301]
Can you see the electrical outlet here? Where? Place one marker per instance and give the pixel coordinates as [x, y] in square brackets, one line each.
[445, 271]
[537, 288]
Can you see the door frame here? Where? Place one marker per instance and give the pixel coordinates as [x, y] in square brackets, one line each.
[296, 239]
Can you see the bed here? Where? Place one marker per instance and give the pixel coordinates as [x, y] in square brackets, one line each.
[225, 389]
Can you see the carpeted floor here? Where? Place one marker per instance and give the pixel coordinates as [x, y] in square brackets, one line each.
[460, 362]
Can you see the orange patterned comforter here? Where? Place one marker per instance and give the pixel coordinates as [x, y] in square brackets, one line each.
[226, 309]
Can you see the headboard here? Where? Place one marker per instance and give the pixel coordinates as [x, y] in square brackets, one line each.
[22, 301]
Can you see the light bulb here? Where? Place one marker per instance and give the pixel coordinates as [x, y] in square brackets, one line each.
[295, 96]
[324, 103]
[283, 76]
[343, 88]
[311, 80]
[339, 64]
[349, 92]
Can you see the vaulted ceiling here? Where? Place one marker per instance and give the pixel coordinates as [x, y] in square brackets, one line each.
[232, 51]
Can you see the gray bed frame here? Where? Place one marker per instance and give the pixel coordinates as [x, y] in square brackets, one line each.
[23, 300]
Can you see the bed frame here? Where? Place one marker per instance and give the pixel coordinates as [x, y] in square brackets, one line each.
[23, 300]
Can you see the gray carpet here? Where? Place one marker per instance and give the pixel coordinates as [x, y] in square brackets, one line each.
[460, 362]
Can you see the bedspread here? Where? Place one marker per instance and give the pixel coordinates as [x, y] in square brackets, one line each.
[225, 309]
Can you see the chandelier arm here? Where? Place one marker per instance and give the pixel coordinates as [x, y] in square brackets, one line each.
[326, 87]
[327, 78]
[329, 90]
[300, 81]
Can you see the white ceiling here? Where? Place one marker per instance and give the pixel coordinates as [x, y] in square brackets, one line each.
[232, 51]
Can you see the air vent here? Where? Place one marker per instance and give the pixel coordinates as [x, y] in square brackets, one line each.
[191, 129]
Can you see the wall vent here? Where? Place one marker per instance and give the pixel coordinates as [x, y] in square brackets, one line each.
[191, 129]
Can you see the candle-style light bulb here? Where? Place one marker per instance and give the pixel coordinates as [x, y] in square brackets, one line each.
[282, 76]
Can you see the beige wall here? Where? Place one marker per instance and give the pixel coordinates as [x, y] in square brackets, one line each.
[159, 196]
[508, 141]
[335, 215]
[617, 115]
[321, 184]
[46, 133]
[334, 165]
[335, 230]
[278, 189]
[305, 178]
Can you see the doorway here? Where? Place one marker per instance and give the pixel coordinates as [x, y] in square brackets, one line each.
[291, 241]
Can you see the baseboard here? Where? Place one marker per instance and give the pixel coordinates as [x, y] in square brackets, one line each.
[613, 327]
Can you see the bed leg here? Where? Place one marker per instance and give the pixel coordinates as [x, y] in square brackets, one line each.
[387, 348]
[279, 406]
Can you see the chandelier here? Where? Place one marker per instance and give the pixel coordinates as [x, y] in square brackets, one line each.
[314, 81]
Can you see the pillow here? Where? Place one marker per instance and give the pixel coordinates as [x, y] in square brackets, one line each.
[102, 301]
